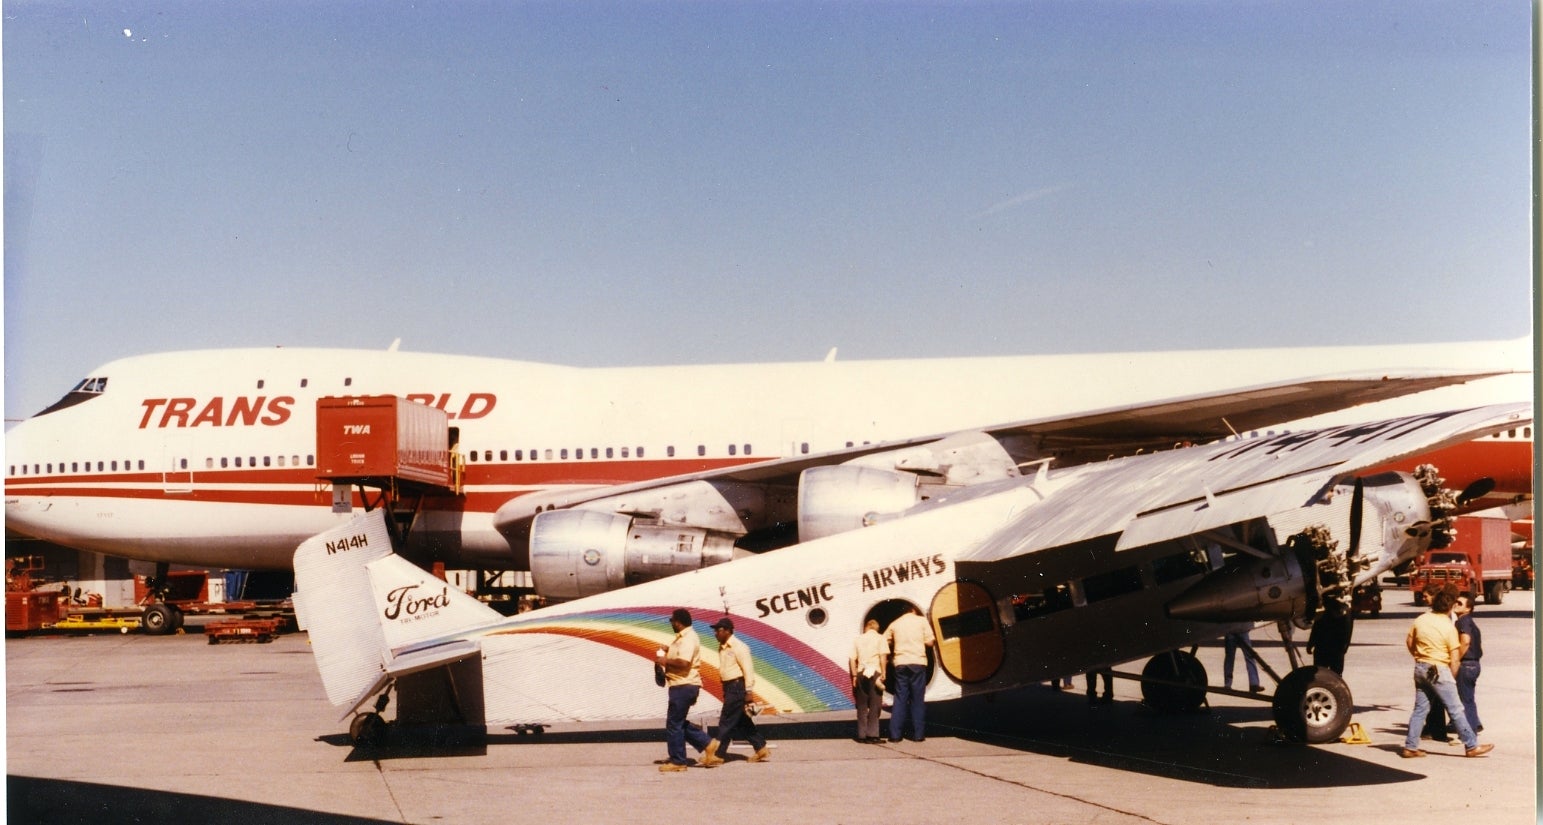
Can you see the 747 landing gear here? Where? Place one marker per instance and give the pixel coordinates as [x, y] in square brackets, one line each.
[160, 619]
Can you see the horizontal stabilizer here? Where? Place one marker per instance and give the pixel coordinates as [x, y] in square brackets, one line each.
[415, 607]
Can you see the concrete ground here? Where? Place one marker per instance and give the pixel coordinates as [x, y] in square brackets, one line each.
[110, 728]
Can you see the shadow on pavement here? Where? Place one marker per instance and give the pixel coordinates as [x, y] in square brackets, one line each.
[62, 802]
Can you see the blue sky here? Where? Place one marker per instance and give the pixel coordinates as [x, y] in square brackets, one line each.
[631, 183]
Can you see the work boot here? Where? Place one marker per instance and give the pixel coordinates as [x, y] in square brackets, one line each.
[1410, 753]
[1478, 750]
[761, 755]
[710, 757]
[671, 767]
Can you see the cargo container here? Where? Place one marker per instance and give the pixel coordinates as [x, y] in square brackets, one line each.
[378, 438]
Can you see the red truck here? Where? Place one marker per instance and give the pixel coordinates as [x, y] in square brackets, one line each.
[1478, 560]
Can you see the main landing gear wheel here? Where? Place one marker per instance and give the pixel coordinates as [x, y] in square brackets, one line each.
[160, 619]
[1173, 666]
[529, 730]
[368, 730]
[1312, 705]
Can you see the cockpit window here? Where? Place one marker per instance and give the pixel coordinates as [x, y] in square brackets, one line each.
[82, 392]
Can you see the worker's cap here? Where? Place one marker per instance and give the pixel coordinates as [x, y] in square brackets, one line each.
[724, 623]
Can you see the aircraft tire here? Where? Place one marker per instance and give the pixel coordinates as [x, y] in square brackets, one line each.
[158, 619]
[1312, 705]
[1494, 592]
[367, 730]
[1173, 666]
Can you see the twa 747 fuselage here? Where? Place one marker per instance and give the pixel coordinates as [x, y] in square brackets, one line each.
[207, 458]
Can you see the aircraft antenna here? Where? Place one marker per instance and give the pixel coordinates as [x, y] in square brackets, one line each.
[830, 357]
[395, 342]
[1230, 427]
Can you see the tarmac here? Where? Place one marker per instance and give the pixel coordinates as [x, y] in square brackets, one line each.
[113, 728]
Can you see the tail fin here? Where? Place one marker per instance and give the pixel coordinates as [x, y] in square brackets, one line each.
[362, 605]
[334, 603]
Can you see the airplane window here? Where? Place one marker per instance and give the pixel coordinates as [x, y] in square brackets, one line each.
[281, 461]
[565, 453]
[594, 452]
[609, 453]
[238, 461]
[295, 460]
[141, 464]
[804, 448]
[519, 455]
[549, 455]
[1043, 603]
[267, 461]
[640, 452]
[50, 468]
[1111, 584]
[969, 623]
[208, 464]
[849, 443]
[74, 467]
[624, 453]
[259, 383]
[747, 449]
[1175, 567]
[305, 382]
[224, 462]
[503, 455]
[487, 455]
[731, 449]
[310, 459]
[473, 457]
[348, 382]
[701, 449]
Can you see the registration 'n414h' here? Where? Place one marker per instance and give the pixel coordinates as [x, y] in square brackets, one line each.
[353, 542]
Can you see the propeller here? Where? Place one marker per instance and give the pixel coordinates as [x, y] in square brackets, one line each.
[1357, 510]
[1476, 490]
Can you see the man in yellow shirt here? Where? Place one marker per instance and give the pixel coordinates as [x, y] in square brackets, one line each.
[1434, 644]
[682, 664]
[737, 671]
[909, 636]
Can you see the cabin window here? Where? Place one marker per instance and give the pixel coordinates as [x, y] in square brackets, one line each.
[260, 383]
[473, 456]
[503, 455]
[348, 382]
[487, 455]
[610, 453]
[701, 450]
[804, 448]
[565, 454]
[1111, 584]
[640, 452]
[549, 454]
[1042, 603]
[305, 382]
[624, 453]
[731, 449]
[747, 449]
[183, 462]
[1180, 566]
[224, 462]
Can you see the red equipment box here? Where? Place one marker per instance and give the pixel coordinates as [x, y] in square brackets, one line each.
[27, 610]
[375, 437]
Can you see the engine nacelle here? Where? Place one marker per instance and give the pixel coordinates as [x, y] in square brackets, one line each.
[845, 497]
[576, 553]
[836, 499]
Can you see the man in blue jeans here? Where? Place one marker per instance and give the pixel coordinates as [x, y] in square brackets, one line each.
[1434, 644]
[682, 664]
[909, 636]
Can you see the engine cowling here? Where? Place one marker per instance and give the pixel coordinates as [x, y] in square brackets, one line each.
[576, 553]
[845, 497]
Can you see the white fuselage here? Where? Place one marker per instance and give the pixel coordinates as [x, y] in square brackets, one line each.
[207, 457]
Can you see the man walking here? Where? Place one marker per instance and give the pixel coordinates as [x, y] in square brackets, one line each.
[1470, 650]
[683, 678]
[1434, 644]
[909, 636]
[737, 671]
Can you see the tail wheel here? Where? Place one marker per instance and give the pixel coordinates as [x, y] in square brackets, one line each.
[367, 730]
[1312, 705]
[1173, 682]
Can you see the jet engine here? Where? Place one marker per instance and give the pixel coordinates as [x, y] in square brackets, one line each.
[847, 496]
[576, 553]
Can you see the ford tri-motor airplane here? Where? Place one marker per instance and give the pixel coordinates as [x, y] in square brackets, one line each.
[1023, 579]
[208, 458]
